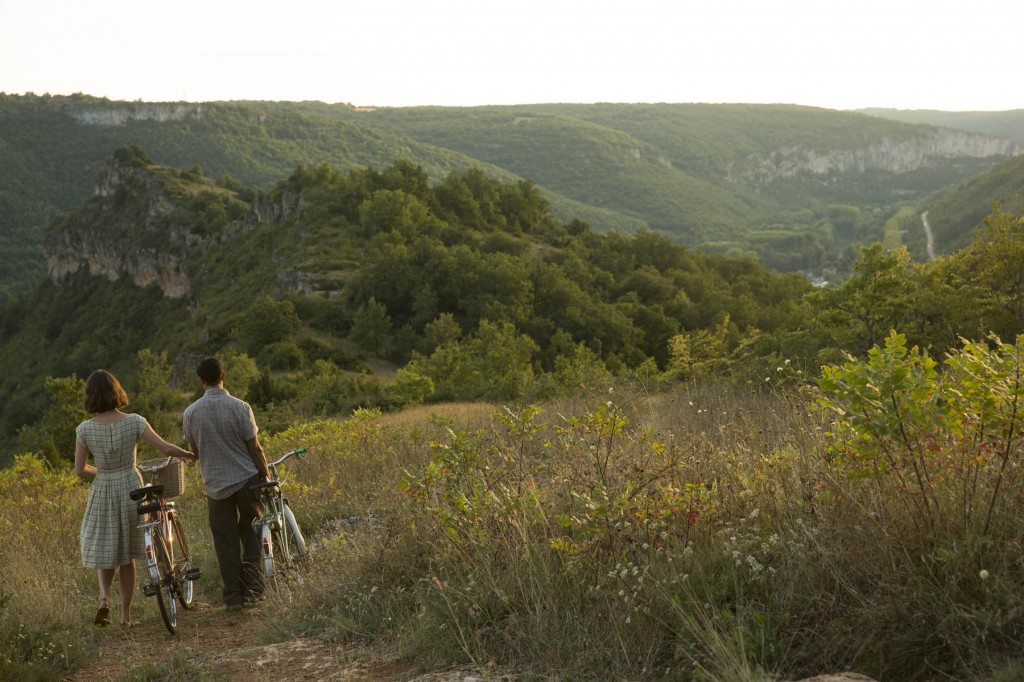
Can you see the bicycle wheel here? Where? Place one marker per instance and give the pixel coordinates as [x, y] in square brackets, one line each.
[282, 572]
[183, 568]
[165, 590]
[298, 542]
[289, 559]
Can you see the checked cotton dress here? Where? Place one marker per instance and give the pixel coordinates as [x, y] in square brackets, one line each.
[110, 534]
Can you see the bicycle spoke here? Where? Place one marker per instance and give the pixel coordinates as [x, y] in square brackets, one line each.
[165, 591]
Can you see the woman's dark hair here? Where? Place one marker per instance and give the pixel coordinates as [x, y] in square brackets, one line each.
[103, 392]
[210, 371]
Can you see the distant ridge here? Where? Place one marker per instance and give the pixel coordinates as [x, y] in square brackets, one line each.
[1008, 124]
[795, 187]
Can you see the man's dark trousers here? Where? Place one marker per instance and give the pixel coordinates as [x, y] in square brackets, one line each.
[231, 525]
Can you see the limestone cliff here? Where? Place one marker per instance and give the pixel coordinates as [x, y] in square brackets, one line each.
[129, 229]
[927, 148]
[122, 114]
[151, 225]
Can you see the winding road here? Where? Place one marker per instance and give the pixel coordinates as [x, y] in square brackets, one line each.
[929, 240]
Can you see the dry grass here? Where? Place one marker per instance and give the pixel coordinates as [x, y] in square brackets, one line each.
[704, 534]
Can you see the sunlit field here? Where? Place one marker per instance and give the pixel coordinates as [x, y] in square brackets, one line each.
[707, 533]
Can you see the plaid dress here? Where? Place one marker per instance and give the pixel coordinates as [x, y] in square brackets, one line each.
[110, 534]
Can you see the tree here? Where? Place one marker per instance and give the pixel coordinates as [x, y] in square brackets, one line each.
[581, 368]
[457, 201]
[371, 327]
[242, 373]
[990, 275]
[442, 330]
[410, 388]
[154, 399]
[267, 321]
[703, 350]
[132, 155]
[860, 312]
[504, 359]
[53, 437]
[396, 212]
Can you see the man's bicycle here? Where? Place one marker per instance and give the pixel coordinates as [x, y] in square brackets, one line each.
[282, 546]
[167, 556]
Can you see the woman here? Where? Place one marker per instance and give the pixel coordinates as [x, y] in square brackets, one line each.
[110, 535]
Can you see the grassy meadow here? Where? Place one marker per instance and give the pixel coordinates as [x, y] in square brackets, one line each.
[769, 532]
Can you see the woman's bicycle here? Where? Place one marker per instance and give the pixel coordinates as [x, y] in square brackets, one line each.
[170, 564]
[282, 546]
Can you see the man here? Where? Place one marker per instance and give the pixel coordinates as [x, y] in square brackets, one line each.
[222, 433]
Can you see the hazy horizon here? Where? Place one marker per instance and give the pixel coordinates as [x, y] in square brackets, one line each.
[933, 55]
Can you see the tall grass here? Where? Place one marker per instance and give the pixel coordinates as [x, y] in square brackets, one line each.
[41, 581]
[707, 533]
[710, 533]
[47, 599]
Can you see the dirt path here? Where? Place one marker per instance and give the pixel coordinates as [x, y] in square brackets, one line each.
[213, 643]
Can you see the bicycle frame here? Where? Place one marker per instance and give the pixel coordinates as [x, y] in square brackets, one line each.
[167, 556]
[154, 530]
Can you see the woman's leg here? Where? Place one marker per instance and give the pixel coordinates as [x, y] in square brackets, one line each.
[126, 583]
[106, 577]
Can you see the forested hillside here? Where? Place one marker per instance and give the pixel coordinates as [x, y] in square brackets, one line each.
[695, 466]
[472, 281]
[332, 290]
[797, 188]
[1008, 124]
[967, 203]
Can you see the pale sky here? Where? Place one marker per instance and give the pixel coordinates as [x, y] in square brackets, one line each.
[906, 54]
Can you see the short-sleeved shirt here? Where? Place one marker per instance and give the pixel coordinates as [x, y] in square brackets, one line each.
[219, 424]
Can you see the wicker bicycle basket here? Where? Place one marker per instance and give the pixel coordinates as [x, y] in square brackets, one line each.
[170, 473]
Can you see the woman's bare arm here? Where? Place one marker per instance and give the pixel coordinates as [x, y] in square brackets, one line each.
[169, 449]
[82, 466]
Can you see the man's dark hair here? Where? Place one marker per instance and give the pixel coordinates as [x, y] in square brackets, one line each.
[211, 371]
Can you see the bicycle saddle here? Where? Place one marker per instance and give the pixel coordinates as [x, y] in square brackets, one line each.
[146, 491]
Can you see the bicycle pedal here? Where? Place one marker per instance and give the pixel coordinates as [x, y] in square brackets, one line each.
[193, 574]
[150, 590]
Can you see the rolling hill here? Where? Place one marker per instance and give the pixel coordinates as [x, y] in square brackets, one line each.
[771, 181]
[1008, 124]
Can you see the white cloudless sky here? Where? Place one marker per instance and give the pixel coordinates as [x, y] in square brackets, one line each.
[908, 54]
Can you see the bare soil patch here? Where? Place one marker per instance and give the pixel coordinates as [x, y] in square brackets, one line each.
[213, 643]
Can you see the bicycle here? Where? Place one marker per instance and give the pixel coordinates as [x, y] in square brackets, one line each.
[282, 545]
[171, 573]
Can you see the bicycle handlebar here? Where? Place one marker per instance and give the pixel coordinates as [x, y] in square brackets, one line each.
[297, 452]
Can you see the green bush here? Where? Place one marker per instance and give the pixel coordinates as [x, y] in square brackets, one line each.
[283, 355]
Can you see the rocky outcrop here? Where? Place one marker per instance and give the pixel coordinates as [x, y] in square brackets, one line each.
[68, 252]
[125, 231]
[138, 226]
[122, 114]
[923, 150]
